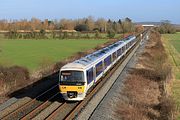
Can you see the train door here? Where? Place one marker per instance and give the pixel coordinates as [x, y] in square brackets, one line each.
[90, 77]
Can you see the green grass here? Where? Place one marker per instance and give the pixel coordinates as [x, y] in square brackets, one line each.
[174, 39]
[174, 48]
[33, 54]
[176, 94]
[172, 44]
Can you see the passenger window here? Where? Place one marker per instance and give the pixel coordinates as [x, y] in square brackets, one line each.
[107, 61]
[89, 75]
[119, 52]
[114, 56]
[124, 48]
[99, 68]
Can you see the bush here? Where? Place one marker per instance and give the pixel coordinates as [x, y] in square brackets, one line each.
[13, 77]
[81, 28]
[167, 107]
[97, 34]
[42, 33]
[166, 27]
[111, 34]
[65, 35]
[87, 36]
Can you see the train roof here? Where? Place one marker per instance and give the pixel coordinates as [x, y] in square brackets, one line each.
[89, 59]
[129, 38]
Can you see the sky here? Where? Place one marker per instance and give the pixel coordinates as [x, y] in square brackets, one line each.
[137, 10]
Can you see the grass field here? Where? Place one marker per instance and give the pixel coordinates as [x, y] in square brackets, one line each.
[34, 54]
[174, 39]
[172, 44]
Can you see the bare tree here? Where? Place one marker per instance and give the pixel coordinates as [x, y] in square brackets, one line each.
[166, 27]
[67, 24]
[90, 23]
[101, 24]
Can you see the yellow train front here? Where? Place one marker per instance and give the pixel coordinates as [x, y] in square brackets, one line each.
[72, 83]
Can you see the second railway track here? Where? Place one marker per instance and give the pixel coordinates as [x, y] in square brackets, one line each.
[40, 101]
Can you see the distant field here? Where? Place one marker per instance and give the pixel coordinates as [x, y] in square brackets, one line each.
[34, 54]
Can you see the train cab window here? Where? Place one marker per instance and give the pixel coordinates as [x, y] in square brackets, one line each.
[89, 74]
[72, 76]
[99, 68]
[107, 61]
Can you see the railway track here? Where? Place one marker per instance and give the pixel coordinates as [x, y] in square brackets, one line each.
[64, 110]
[44, 105]
[31, 108]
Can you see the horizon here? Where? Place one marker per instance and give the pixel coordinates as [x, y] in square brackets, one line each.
[152, 11]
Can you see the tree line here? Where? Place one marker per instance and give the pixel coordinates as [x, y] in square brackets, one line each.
[88, 24]
[84, 24]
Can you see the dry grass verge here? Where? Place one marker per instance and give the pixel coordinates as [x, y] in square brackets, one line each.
[144, 96]
[11, 79]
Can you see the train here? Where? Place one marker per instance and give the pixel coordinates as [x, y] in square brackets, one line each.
[78, 77]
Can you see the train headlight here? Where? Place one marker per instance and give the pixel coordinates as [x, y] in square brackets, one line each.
[63, 87]
[80, 88]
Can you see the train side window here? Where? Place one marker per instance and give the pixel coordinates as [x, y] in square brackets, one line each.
[89, 74]
[99, 68]
[114, 56]
[123, 48]
[127, 46]
[119, 52]
[107, 61]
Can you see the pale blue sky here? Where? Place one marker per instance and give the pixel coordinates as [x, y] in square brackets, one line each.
[138, 10]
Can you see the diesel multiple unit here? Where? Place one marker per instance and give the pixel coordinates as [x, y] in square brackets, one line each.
[76, 78]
